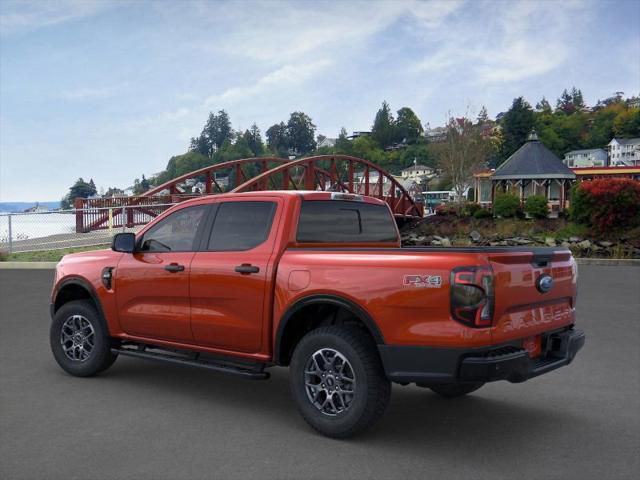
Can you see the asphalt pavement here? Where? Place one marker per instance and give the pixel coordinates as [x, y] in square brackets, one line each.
[148, 420]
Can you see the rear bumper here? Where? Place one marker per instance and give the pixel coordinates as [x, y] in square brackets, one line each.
[406, 364]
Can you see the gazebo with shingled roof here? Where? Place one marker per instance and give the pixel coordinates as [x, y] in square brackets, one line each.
[532, 170]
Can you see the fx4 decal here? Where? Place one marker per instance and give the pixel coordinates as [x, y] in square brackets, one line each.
[423, 281]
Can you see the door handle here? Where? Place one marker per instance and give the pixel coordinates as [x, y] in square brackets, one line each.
[174, 267]
[247, 269]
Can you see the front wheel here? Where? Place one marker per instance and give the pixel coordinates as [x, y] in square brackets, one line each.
[338, 382]
[453, 390]
[79, 340]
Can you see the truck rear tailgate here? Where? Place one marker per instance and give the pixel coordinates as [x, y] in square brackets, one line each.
[535, 292]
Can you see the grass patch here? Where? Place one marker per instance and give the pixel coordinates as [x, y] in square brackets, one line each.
[46, 255]
[574, 230]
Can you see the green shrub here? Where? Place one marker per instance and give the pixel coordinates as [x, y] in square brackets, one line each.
[506, 205]
[536, 206]
[4, 256]
[483, 213]
[469, 209]
[581, 205]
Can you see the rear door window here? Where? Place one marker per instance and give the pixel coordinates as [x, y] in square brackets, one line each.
[241, 226]
[337, 221]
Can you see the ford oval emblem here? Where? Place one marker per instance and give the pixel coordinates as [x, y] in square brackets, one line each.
[544, 283]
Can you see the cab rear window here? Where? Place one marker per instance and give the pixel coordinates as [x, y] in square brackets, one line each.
[337, 221]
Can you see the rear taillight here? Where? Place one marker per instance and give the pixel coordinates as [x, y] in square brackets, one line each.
[472, 296]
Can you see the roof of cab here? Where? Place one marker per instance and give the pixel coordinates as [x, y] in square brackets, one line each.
[305, 194]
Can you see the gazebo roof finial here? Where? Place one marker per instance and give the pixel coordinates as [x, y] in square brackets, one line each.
[533, 136]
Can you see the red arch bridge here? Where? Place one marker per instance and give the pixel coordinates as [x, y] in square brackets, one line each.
[335, 173]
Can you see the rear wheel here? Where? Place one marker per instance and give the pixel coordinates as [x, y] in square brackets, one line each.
[79, 340]
[337, 381]
[452, 390]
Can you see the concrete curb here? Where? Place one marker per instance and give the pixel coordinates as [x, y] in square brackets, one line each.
[27, 265]
[611, 262]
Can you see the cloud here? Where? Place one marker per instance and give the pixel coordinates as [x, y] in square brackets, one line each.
[285, 77]
[526, 40]
[281, 32]
[287, 44]
[24, 15]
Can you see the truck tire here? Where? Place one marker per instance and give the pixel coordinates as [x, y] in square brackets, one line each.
[338, 382]
[453, 390]
[79, 339]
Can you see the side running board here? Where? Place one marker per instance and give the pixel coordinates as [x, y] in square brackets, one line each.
[249, 371]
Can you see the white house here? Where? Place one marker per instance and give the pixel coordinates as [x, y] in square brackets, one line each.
[327, 142]
[593, 157]
[419, 173]
[435, 135]
[624, 152]
[358, 134]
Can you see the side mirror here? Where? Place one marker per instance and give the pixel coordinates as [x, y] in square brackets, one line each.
[124, 242]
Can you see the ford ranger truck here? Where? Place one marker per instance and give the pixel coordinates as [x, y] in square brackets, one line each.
[318, 282]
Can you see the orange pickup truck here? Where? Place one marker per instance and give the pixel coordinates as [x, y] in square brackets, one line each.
[316, 281]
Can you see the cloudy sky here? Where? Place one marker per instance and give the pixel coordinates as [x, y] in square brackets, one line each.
[113, 89]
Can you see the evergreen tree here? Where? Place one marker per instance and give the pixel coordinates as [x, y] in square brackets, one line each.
[543, 106]
[483, 116]
[576, 99]
[517, 123]
[253, 138]
[565, 103]
[216, 131]
[80, 189]
[200, 145]
[144, 183]
[343, 144]
[382, 130]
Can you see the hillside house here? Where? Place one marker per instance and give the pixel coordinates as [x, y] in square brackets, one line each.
[593, 157]
[624, 152]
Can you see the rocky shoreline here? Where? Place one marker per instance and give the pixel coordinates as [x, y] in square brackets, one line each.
[581, 247]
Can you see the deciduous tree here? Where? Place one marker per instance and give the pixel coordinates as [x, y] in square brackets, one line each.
[277, 139]
[408, 126]
[462, 153]
[301, 133]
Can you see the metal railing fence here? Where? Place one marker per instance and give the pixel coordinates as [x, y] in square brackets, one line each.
[58, 229]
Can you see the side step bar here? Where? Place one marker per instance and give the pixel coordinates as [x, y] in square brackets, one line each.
[250, 372]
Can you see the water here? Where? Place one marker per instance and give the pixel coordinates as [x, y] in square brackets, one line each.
[36, 225]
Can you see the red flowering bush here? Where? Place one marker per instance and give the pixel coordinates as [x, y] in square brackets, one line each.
[607, 204]
[446, 209]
